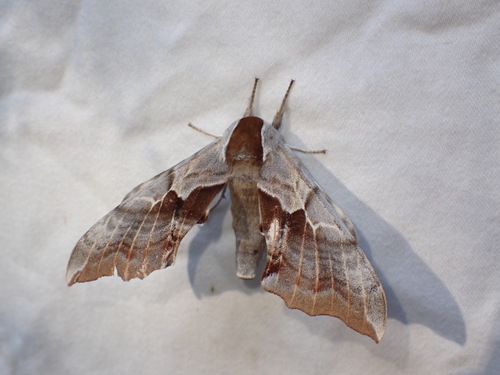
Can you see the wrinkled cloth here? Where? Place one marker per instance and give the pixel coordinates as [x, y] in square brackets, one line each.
[96, 98]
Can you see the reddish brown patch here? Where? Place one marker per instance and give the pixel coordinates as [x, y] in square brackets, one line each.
[245, 143]
[270, 209]
[138, 239]
[195, 206]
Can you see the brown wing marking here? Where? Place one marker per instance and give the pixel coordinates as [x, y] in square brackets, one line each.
[319, 268]
[139, 236]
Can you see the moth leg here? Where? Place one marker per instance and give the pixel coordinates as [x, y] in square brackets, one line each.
[279, 115]
[203, 131]
[322, 151]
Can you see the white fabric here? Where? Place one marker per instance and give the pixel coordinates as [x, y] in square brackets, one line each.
[95, 98]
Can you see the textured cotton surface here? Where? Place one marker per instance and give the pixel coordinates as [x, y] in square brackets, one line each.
[95, 99]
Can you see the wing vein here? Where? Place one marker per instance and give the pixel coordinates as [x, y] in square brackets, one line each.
[92, 249]
[118, 249]
[299, 273]
[316, 286]
[109, 241]
[145, 261]
[170, 234]
[332, 277]
[344, 267]
[363, 291]
[132, 245]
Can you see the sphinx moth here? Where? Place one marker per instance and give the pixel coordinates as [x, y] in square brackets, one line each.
[314, 261]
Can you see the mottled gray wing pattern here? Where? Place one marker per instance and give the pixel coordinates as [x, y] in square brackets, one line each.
[313, 259]
[143, 233]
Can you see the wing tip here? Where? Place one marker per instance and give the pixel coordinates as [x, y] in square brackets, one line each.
[378, 336]
[72, 277]
[376, 333]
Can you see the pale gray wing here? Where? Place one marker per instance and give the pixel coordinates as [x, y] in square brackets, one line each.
[313, 259]
[143, 233]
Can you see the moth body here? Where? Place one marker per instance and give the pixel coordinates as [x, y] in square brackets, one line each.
[244, 153]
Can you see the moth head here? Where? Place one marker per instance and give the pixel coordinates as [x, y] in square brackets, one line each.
[250, 139]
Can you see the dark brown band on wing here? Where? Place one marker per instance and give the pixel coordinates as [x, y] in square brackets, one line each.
[139, 236]
[318, 272]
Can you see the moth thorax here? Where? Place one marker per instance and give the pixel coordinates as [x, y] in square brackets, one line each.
[245, 143]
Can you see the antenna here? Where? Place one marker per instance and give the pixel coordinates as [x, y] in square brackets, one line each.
[248, 111]
[279, 115]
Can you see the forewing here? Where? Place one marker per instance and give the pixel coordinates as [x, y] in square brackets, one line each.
[143, 233]
[313, 259]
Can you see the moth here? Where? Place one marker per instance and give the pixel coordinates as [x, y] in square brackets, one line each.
[314, 262]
